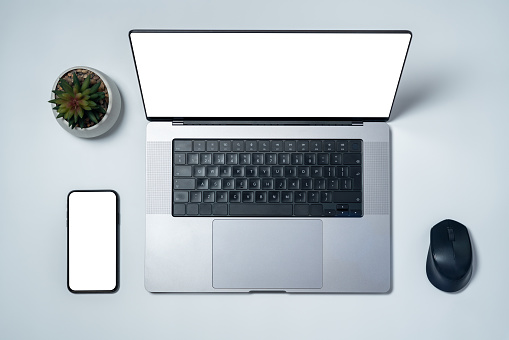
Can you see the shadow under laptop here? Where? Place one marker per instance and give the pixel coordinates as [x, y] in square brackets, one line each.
[416, 89]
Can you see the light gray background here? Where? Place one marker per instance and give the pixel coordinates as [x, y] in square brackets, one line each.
[449, 161]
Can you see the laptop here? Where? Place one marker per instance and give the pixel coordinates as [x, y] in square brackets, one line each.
[268, 158]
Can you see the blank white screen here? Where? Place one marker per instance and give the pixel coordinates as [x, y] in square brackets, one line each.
[92, 241]
[281, 75]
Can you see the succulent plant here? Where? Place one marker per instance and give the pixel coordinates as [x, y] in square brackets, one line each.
[77, 103]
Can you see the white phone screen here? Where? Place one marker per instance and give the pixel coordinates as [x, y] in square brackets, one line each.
[92, 241]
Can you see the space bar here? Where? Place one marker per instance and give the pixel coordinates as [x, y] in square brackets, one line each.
[260, 209]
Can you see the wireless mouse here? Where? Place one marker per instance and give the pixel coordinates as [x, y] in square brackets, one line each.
[449, 263]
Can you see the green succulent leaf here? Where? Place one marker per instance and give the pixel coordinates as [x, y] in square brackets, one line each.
[60, 115]
[67, 88]
[86, 83]
[92, 117]
[76, 81]
[94, 88]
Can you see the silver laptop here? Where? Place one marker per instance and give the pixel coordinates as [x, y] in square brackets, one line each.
[268, 159]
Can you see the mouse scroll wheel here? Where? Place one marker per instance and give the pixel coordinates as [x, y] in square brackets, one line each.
[450, 232]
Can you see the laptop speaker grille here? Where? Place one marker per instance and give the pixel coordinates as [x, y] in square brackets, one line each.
[158, 177]
[376, 178]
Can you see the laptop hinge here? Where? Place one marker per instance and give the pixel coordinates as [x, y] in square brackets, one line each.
[265, 122]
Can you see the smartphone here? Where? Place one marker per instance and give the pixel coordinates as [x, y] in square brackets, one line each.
[92, 241]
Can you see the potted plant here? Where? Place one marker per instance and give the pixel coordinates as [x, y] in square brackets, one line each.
[85, 102]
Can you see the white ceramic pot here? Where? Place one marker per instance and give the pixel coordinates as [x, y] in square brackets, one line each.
[112, 113]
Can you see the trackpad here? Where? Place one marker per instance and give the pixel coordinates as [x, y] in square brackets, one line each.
[267, 254]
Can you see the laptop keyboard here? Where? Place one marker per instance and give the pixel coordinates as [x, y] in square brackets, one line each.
[282, 178]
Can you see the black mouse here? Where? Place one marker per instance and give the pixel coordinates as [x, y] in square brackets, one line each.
[449, 263]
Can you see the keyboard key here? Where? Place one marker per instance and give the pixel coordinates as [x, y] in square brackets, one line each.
[251, 145]
[183, 145]
[267, 183]
[219, 209]
[212, 146]
[254, 184]
[240, 184]
[306, 183]
[271, 158]
[225, 145]
[206, 158]
[322, 159]
[195, 196]
[205, 209]
[234, 196]
[335, 158]
[182, 170]
[280, 183]
[232, 158]
[218, 158]
[297, 159]
[228, 184]
[192, 158]
[257, 158]
[245, 158]
[225, 171]
[179, 209]
[283, 158]
[184, 183]
[198, 171]
[276, 145]
[329, 146]
[315, 210]
[208, 196]
[247, 196]
[277, 171]
[313, 197]
[263, 145]
[181, 196]
[342, 145]
[238, 171]
[290, 171]
[264, 171]
[301, 210]
[192, 209]
[221, 196]
[251, 171]
[315, 145]
[300, 197]
[202, 183]
[287, 197]
[325, 196]
[260, 196]
[303, 146]
[273, 196]
[212, 171]
[290, 145]
[238, 145]
[180, 158]
[199, 146]
[347, 197]
[215, 184]
[261, 209]
[355, 145]
[309, 159]
[352, 158]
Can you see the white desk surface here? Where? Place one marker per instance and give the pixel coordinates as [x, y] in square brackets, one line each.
[450, 160]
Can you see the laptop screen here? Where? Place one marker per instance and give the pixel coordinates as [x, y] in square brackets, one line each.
[269, 74]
